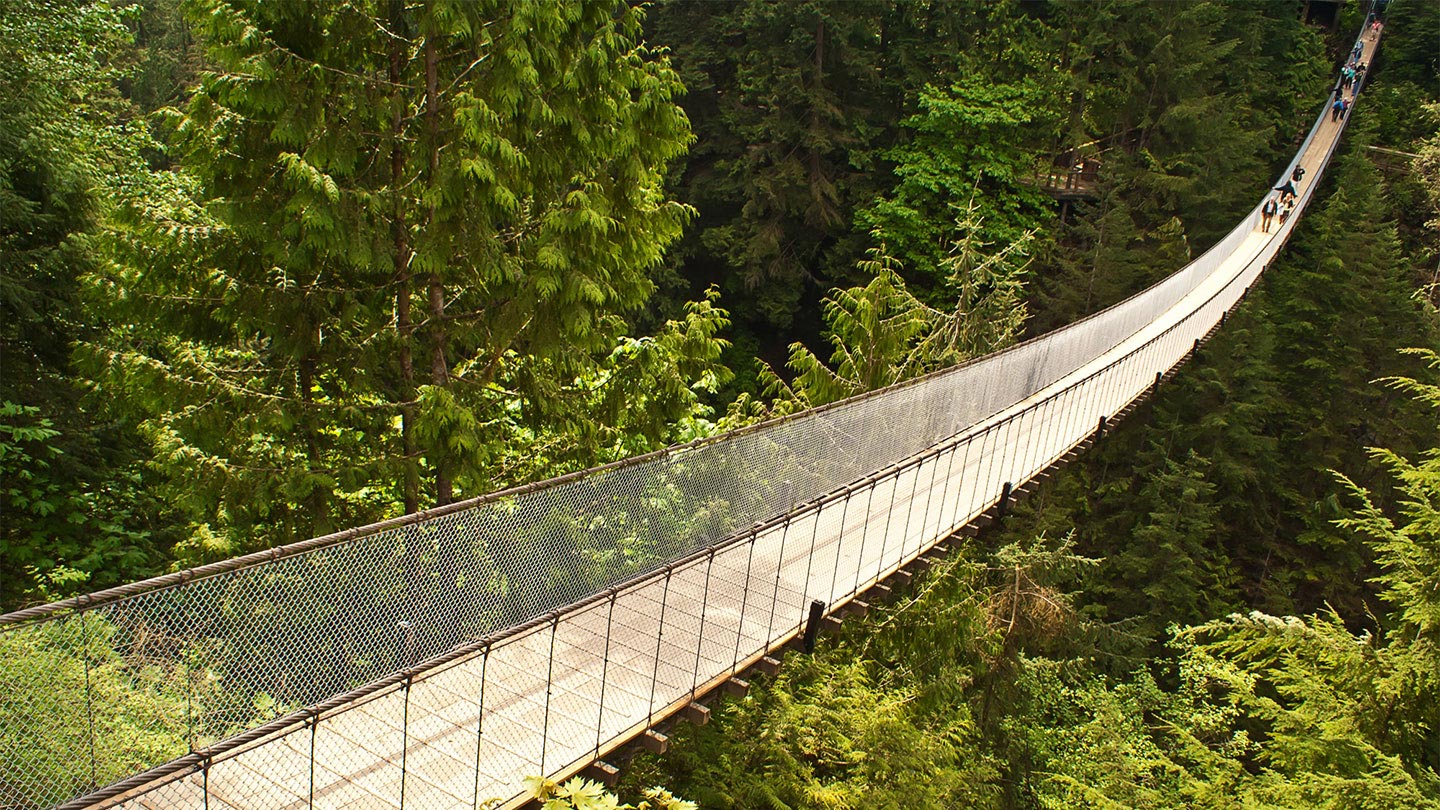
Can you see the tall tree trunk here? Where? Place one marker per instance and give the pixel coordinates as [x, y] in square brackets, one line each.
[410, 456]
[315, 500]
[439, 369]
[815, 94]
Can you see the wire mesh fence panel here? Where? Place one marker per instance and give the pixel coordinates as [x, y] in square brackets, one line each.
[442, 734]
[188, 791]
[276, 774]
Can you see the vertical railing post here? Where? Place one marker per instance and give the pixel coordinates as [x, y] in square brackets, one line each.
[405, 741]
[480, 721]
[864, 534]
[810, 559]
[988, 459]
[605, 671]
[700, 638]
[549, 688]
[314, 723]
[909, 510]
[940, 527]
[90, 702]
[949, 523]
[779, 569]
[659, 638]
[885, 533]
[744, 601]
[839, 545]
[1057, 437]
[925, 536]
[1048, 431]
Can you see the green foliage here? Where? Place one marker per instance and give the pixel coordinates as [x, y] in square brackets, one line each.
[968, 155]
[583, 794]
[1223, 496]
[884, 334]
[75, 508]
[138, 706]
[1216, 496]
[1182, 136]
[400, 240]
[58, 531]
[1408, 553]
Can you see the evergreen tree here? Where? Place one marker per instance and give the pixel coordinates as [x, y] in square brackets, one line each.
[970, 153]
[71, 490]
[401, 243]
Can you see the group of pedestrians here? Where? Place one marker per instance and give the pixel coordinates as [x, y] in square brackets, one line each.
[1351, 77]
[1281, 204]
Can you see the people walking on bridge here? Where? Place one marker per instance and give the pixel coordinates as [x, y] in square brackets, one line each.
[1286, 209]
[1337, 109]
[1297, 175]
[1267, 214]
[1287, 191]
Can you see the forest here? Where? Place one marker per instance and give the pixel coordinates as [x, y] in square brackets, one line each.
[273, 270]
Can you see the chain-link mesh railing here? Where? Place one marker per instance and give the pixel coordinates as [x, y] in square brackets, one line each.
[436, 661]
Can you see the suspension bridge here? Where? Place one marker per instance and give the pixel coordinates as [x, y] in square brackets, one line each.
[438, 660]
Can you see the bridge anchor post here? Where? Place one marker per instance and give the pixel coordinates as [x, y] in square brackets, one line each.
[1004, 503]
[812, 625]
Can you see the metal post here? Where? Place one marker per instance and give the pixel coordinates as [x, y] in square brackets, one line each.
[549, 682]
[605, 671]
[885, 533]
[744, 601]
[864, 534]
[700, 639]
[480, 721]
[779, 569]
[659, 636]
[1054, 416]
[929, 497]
[909, 509]
[840, 545]
[405, 742]
[1007, 427]
[314, 727]
[89, 702]
[810, 559]
[941, 526]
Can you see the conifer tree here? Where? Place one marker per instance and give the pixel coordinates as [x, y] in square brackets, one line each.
[400, 246]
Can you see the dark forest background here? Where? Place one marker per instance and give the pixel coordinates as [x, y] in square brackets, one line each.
[271, 271]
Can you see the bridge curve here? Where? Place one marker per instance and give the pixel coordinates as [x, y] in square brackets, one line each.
[438, 660]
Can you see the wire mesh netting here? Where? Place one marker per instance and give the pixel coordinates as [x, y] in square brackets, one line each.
[437, 662]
